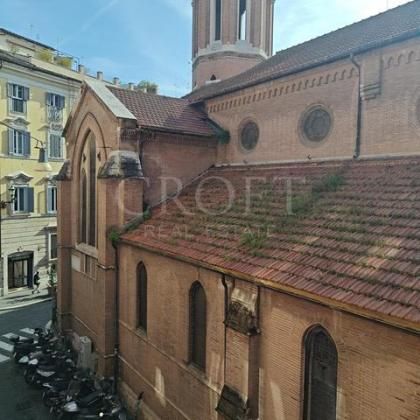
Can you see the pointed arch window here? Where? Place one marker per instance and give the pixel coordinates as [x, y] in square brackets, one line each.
[88, 196]
[83, 206]
[218, 20]
[142, 297]
[242, 20]
[321, 362]
[198, 326]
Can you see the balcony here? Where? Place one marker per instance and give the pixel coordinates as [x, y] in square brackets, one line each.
[54, 114]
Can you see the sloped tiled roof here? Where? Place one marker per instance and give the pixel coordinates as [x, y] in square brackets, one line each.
[164, 113]
[353, 239]
[393, 25]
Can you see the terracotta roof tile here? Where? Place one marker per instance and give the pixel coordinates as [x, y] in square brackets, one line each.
[341, 247]
[164, 113]
[397, 23]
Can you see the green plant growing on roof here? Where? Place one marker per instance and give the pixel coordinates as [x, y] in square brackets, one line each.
[63, 61]
[45, 55]
[115, 233]
[254, 238]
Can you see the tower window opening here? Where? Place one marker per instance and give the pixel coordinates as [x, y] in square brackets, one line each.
[242, 20]
[218, 21]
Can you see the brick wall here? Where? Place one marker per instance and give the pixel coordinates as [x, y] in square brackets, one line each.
[157, 362]
[390, 88]
[378, 369]
[378, 372]
[167, 156]
[277, 108]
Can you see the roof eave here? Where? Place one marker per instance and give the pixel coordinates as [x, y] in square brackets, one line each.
[175, 131]
[399, 323]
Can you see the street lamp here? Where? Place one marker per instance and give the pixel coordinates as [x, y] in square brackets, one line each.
[3, 204]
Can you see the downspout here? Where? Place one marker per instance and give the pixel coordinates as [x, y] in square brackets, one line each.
[226, 313]
[117, 317]
[359, 109]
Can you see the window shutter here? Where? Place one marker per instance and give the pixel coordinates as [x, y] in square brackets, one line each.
[49, 200]
[11, 148]
[25, 94]
[9, 90]
[29, 200]
[62, 102]
[27, 143]
[59, 147]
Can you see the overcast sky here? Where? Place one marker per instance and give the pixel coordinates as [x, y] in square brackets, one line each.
[151, 39]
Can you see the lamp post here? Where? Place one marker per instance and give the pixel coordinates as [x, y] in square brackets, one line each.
[4, 204]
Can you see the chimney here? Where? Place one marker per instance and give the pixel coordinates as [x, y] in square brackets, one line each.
[81, 69]
[131, 86]
[99, 75]
[116, 81]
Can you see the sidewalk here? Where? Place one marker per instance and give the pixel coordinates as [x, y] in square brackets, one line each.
[22, 298]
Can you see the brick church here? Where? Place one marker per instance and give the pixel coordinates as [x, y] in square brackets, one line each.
[252, 250]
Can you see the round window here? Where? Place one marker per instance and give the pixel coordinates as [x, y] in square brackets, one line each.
[316, 124]
[249, 136]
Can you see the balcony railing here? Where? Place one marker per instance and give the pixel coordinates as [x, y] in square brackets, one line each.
[54, 114]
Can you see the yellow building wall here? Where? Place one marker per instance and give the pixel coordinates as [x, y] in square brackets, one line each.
[29, 232]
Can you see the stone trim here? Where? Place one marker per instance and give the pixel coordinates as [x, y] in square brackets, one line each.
[231, 405]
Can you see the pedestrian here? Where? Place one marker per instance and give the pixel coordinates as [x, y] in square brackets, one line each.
[36, 283]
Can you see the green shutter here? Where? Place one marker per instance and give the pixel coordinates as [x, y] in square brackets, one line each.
[25, 94]
[11, 135]
[27, 143]
[29, 200]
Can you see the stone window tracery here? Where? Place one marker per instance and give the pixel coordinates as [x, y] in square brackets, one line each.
[316, 124]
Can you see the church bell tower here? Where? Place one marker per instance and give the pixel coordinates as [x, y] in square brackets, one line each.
[229, 37]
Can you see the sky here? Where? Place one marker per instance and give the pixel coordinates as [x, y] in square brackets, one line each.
[151, 39]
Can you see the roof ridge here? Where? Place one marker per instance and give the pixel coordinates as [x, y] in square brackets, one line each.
[137, 91]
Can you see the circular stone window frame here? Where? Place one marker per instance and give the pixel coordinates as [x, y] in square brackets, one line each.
[241, 127]
[303, 138]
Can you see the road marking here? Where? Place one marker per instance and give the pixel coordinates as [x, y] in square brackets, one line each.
[3, 358]
[6, 346]
[28, 330]
[9, 335]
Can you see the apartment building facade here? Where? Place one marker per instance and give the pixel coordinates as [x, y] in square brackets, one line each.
[38, 88]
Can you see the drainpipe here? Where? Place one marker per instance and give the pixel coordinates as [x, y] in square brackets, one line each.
[359, 109]
[117, 317]
[226, 313]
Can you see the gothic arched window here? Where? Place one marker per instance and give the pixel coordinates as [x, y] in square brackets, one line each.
[198, 325]
[321, 361]
[242, 20]
[142, 297]
[88, 172]
[218, 20]
[83, 206]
